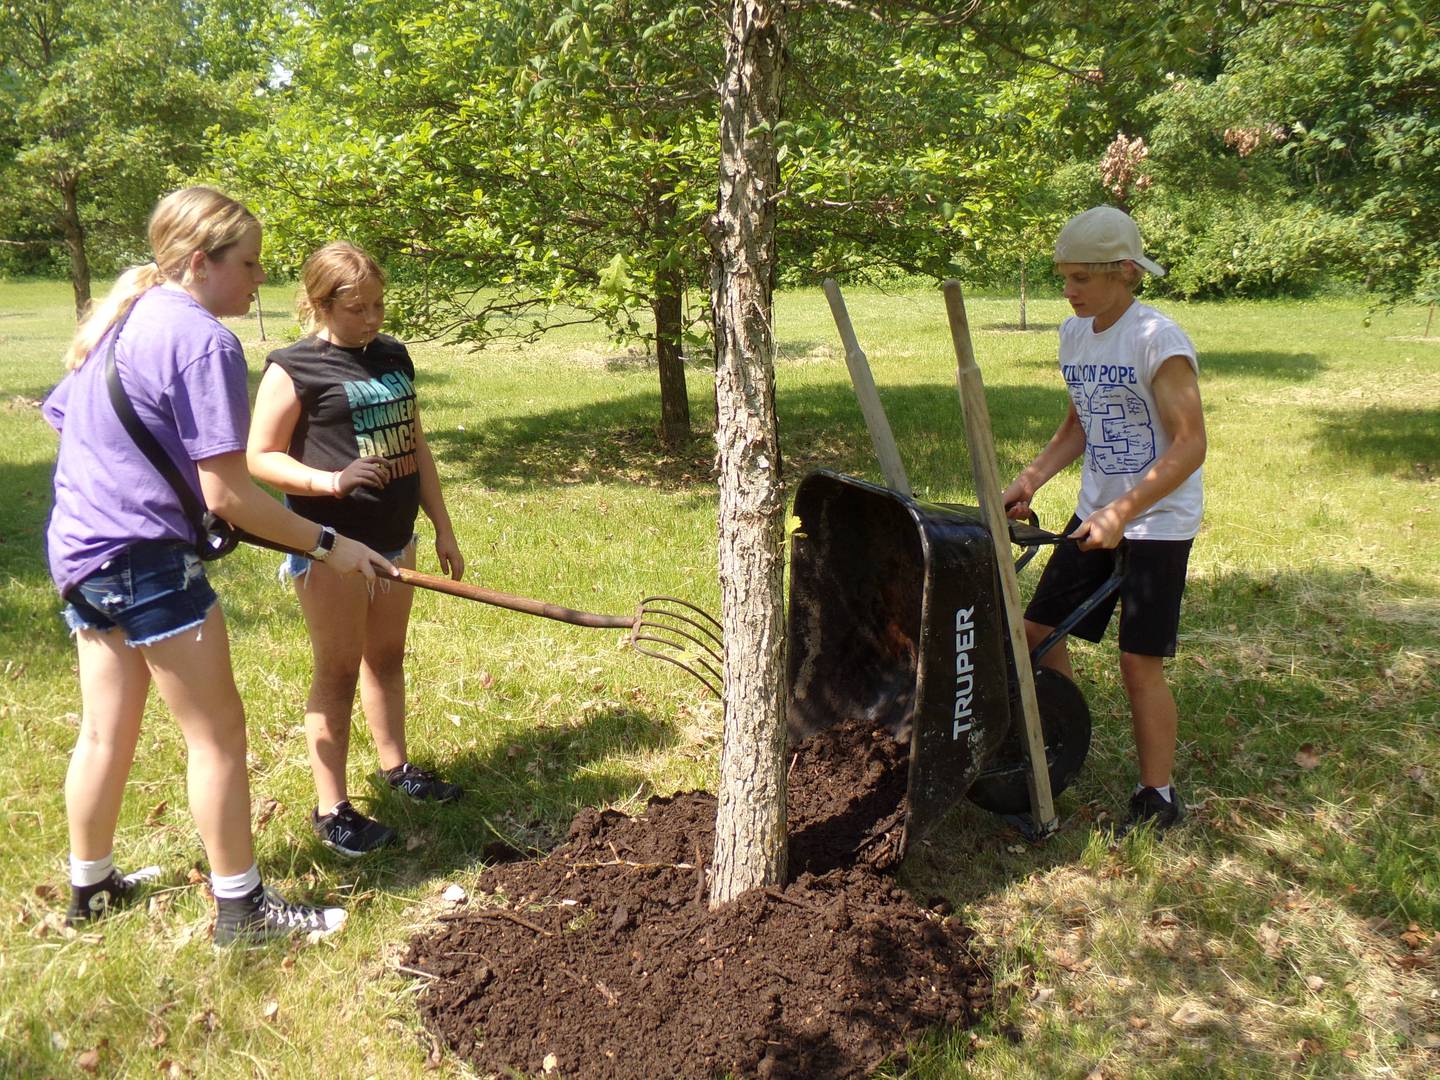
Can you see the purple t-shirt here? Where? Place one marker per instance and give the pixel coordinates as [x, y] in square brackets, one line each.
[185, 374]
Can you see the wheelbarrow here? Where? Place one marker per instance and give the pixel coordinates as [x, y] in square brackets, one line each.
[896, 616]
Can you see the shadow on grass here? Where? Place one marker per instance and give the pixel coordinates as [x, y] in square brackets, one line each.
[1389, 441]
[1307, 700]
[1030, 327]
[1261, 364]
[520, 793]
[614, 441]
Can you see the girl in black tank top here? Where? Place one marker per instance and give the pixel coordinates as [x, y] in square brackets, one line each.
[337, 428]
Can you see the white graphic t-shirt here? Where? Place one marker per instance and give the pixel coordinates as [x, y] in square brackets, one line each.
[1108, 375]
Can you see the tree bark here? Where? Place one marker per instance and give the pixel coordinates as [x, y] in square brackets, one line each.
[75, 245]
[674, 399]
[750, 834]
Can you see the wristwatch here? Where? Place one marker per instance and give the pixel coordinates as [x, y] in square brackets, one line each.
[321, 551]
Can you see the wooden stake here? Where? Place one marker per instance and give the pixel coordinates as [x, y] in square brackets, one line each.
[885, 449]
[987, 489]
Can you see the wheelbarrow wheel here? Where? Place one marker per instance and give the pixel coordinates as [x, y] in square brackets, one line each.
[1002, 787]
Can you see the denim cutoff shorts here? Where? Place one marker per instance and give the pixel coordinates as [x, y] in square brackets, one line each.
[152, 590]
[297, 566]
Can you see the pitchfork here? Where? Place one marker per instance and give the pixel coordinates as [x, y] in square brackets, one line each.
[663, 627]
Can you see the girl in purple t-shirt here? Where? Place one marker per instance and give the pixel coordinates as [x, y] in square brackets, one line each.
[123, 555]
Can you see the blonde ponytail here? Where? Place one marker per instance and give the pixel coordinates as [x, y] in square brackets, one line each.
[127, 289]
[182, 223]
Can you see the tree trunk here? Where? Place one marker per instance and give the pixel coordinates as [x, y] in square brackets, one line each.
[75, 244]
[674, 400]
[750, 833]
[1024, 295]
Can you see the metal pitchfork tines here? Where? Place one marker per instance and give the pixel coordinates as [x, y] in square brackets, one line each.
[662, 627]
[688, 631]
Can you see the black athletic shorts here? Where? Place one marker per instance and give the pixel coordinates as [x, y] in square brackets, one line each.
[1149, 597]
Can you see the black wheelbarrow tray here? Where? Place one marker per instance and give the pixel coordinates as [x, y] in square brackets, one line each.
[897, 618]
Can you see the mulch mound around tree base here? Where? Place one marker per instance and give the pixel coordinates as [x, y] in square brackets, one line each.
[603, 960]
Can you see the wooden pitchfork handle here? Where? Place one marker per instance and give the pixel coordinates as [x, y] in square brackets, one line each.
[524, 604]
[436, 583]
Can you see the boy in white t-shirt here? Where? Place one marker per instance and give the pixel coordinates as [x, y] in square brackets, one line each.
[1135, 416]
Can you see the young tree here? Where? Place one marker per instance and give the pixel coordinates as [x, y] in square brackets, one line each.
[104, 105]
[750, 834]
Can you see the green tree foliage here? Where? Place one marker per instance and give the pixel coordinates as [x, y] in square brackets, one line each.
[102, 107]
[523, 164]
[1312, 151]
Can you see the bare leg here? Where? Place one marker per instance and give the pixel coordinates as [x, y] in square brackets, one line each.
[382, 668]
[335, 611]
[1058, 658]
[192, 672]
[113, 684]
[1153, 716]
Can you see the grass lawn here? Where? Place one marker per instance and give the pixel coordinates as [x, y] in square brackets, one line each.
[1291, 929]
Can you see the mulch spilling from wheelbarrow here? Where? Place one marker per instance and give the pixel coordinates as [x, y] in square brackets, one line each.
[603, 960]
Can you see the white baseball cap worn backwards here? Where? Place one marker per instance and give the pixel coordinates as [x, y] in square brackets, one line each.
[1103, 234]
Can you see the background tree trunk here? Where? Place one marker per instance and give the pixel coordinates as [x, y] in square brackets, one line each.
[75, 244]
[674, 399]
[1024, 294]
[750, 834]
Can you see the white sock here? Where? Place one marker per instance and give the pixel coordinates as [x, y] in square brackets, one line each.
[90, 871]
[235, 886]
[1166, 792]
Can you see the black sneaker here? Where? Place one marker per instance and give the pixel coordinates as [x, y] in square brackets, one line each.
[265, 915]
[420, 784]
[92, 901]
[1149, 807]
[350, 832]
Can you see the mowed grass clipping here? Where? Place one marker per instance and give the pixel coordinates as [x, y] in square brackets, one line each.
[1290, 929]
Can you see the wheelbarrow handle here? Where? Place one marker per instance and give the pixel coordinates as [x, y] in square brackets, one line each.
[1108, 586]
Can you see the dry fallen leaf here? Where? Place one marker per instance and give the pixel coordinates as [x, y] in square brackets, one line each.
[1307, 757]
[1066, 959]
[271, 1009]
[46, 892]
[1269, 939]
[195, 877]
[265, 812]
[435, 1058]
[88, 1061]
[157, 812]
[486, 680]
[1139, 1023]
[1189, 1015]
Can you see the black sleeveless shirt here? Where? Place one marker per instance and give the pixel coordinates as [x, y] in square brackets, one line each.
[354, 403]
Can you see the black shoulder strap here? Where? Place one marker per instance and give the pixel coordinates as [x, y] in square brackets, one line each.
[153, 451]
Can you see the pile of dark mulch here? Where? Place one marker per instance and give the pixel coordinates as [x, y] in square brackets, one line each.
[603, 959]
